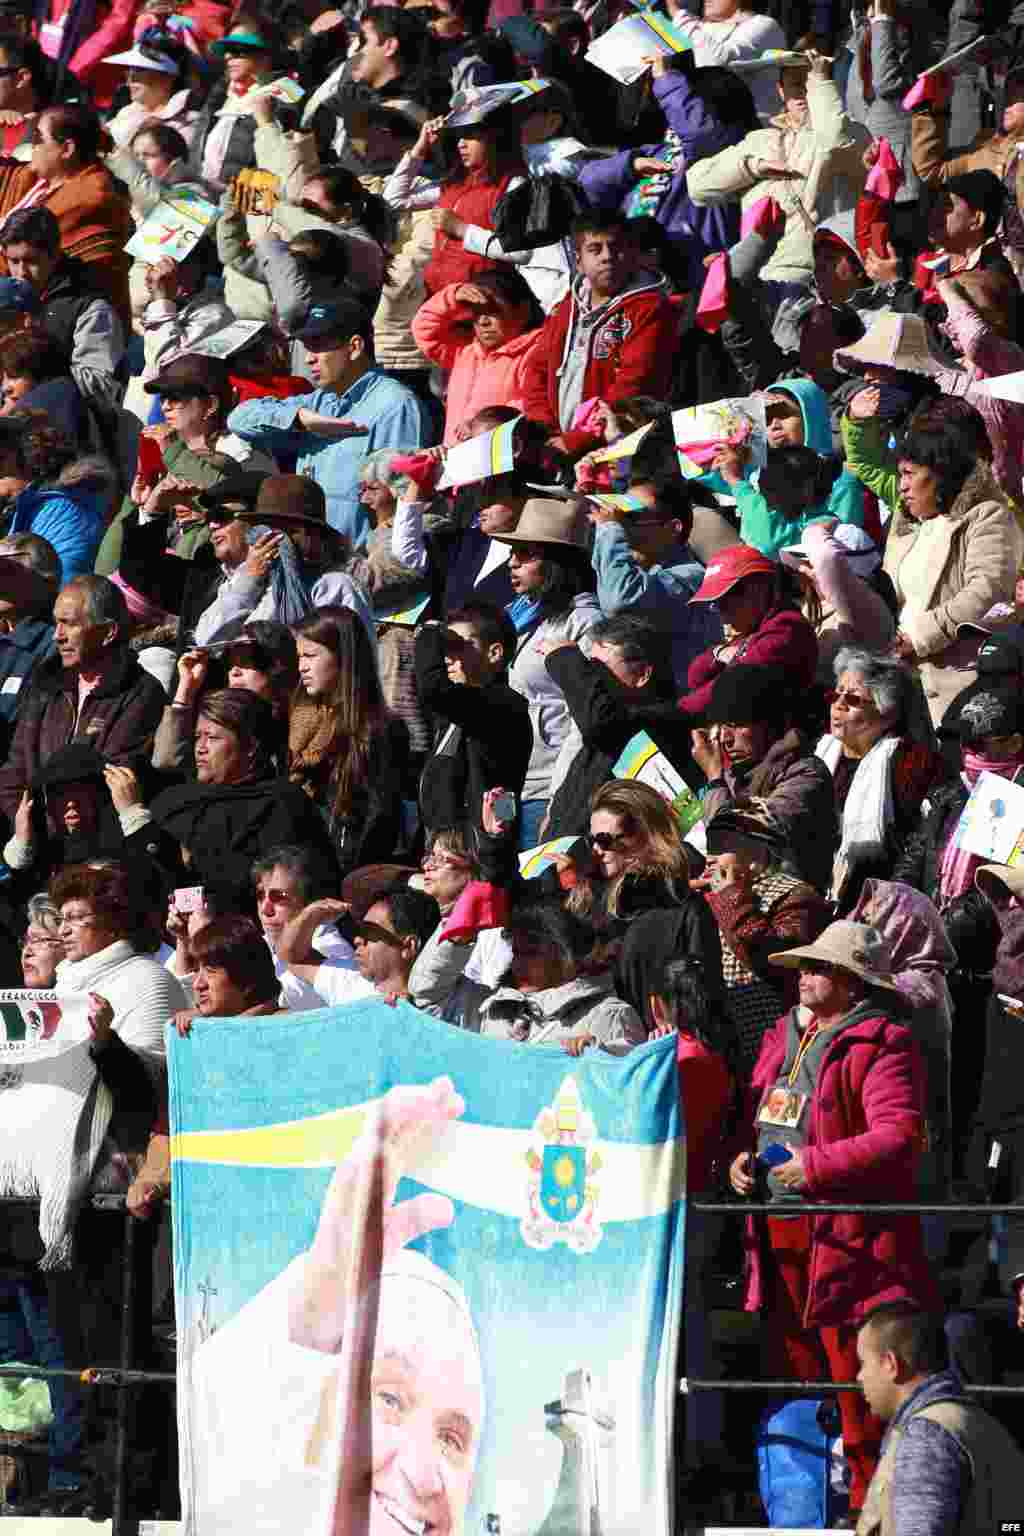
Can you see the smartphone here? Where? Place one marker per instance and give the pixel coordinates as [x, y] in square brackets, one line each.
[505, 807]
[188, 898]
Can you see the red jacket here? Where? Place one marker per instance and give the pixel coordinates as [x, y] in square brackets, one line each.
[632, 352]
[864, 1141]
[705, 1092]
[473, 199]
[784, 637]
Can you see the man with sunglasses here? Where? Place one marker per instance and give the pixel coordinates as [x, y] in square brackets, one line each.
[387, 939]
[837, 1100]
[644, 565]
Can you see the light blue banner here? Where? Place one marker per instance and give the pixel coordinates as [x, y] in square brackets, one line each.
[426, 1282]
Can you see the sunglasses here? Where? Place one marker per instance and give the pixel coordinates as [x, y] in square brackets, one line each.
[606, 841]
[374, 933]
[219, 517]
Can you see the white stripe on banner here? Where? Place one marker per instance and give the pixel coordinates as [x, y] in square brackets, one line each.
[481, 1165]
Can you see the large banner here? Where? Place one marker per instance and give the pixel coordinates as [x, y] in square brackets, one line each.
[54, 1113]
[427, 1284]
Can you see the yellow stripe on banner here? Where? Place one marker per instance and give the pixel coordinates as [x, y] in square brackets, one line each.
[499, 444]
[481, 1165]
[662, 31]
[317, 1143]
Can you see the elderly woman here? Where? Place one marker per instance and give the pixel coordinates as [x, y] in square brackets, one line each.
[835, 1111]
[880, 754]
[239, 804]
[757, 908]
[105, 935]
[952, 553]
[42, 948]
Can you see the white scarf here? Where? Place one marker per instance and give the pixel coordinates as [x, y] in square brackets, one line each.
[869, 810]
[55, 1110]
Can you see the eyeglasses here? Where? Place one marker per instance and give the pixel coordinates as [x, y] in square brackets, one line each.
[78, 920]
[606, 841]
[443, 861]
[27, 945]
[219, 517]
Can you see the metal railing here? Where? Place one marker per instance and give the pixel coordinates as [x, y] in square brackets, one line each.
[744, 1208]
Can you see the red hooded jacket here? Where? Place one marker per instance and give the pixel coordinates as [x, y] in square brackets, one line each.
[864, 1141]
[632, 351]
[783, 638]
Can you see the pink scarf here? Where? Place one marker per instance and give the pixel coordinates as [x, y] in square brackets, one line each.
[958, 864]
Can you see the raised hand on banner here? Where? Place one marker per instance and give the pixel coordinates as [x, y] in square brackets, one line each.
[360, 1225]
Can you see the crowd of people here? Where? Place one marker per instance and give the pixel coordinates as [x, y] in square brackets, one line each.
[355, 533]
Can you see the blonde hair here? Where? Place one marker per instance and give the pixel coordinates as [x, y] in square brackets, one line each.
[643, 811]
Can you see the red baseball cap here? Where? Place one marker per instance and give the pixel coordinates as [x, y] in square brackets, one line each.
[727, 567]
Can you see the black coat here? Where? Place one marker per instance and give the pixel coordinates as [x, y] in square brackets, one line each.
[608, 716]
[918, 865]
[226, 826]
[490, 746]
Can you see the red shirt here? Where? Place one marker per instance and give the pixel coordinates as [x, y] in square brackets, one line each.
[705, 1091]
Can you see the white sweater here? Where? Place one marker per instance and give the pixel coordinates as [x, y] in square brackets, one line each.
[142, 994]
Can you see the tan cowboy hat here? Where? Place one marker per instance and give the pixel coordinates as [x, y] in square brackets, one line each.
[853, 947]
[989, 875]
[548, 522]
[894, 341]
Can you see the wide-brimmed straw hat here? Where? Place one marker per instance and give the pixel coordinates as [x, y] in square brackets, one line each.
[545, 521]
[893, 341]
[990, 877]
[853, 947]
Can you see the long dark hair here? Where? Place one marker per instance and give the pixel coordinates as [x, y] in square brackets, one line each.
[357, 707]
[345, 190]
[504, 153]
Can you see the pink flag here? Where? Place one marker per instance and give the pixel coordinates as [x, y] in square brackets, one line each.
[926, 88]
[761, 218]
[886, 175]
[713, 304]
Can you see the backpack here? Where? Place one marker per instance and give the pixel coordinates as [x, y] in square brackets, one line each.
[537, 211]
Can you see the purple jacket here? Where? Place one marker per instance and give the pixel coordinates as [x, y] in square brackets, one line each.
[698, 231]
[864, 1141]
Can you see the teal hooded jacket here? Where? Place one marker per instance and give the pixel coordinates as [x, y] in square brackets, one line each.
[765, 528]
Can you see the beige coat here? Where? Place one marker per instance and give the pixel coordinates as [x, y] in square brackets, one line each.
[970, 571]
[828, 151]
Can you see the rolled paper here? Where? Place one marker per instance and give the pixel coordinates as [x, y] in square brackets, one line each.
[713, 304]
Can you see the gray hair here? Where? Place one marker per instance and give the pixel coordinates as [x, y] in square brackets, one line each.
[891, 684]
[378, 466]
[306, 866]
[40, 910]
[104, 603]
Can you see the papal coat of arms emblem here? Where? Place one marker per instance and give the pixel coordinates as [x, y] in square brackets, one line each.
[562, 1189]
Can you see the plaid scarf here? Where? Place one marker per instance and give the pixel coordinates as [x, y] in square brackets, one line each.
[766, 892]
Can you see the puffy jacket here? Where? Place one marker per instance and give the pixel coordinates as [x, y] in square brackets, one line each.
[864, 1138]
[783, 637]
[632, 349]
[71, 518]
[477, 377]
[119, 718]
[966, 574]
[827, 151]
[474, 200]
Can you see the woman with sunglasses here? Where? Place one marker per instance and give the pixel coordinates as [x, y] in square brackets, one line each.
[880, 751]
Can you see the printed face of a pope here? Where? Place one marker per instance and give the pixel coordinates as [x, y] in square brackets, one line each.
[409, 1404]
[427, 1408]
